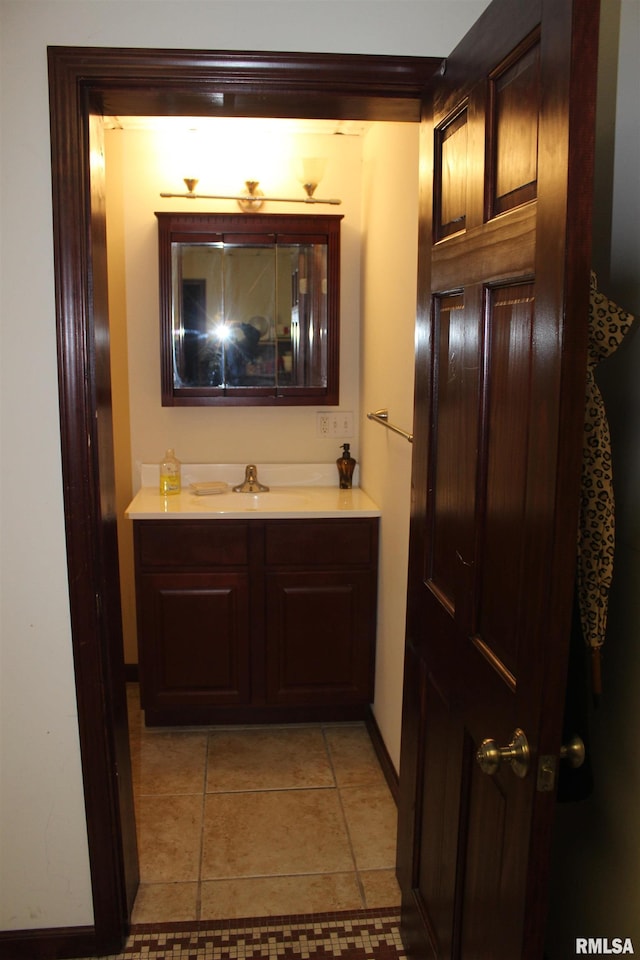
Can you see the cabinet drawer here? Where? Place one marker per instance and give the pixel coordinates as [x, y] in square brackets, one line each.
[183, 544]
[321, 542]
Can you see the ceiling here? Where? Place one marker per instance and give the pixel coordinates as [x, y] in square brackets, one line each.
[351, 128]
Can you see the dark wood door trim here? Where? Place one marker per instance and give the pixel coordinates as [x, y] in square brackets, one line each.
[221, 84]
[85, 83]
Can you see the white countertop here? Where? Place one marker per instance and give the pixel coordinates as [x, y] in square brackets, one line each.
[281, 502]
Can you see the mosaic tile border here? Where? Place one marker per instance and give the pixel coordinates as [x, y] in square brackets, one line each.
[354, 935]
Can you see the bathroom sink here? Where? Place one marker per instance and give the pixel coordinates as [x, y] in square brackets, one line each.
[267, 502]
[294, 502]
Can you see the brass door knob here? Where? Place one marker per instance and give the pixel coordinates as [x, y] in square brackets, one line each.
[517, 754]
[573, 752]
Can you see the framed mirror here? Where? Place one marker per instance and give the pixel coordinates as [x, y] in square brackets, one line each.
[249, 309]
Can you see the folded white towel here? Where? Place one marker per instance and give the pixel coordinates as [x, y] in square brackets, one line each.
[207, 488]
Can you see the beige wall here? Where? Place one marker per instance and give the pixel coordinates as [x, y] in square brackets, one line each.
[139, 169]
[228, 435]
[376, 176]
[117, 277]
[390, 234]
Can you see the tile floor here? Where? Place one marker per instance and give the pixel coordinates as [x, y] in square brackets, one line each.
[259, 821]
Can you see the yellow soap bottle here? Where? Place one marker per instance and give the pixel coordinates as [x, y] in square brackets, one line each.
[169, 475]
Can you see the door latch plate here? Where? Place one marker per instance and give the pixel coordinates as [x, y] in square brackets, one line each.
[547, 770]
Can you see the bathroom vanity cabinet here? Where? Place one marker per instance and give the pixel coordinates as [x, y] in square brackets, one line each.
[256, 621]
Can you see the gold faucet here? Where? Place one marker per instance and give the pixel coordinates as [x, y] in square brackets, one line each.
[251, 483]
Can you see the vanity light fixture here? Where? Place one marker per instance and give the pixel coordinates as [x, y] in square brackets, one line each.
[252, 200]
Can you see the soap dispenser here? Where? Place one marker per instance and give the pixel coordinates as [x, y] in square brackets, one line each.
[346, 465]
[170, 475]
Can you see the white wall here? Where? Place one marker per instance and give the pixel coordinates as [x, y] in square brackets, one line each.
[43, 850]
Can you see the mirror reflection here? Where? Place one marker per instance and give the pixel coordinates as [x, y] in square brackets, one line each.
[249, 315]
[249, 308]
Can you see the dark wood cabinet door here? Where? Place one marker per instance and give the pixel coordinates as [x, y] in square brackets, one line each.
[194, 640]
[320, 637]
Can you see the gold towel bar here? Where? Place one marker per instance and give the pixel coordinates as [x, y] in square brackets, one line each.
[382, 416]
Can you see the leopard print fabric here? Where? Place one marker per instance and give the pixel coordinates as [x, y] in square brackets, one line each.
[608, 325]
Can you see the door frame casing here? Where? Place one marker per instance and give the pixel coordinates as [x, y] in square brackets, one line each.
[85, 84]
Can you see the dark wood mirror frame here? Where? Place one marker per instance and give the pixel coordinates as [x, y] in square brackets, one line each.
[86, 83]
[197, 369]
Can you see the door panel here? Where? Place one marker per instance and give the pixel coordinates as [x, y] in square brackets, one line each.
[509, 316]
[440, 790]
[500, 368]
[514, 93]
[453, 441]
[485, 843]
[451, 176]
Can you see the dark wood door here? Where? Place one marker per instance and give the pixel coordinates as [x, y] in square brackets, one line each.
[500, 369]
